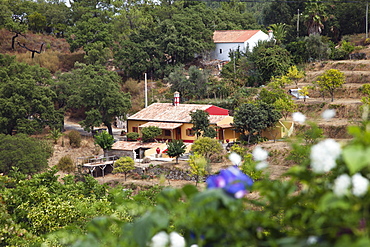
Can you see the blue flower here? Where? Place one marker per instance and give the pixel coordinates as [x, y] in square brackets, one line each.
[231, 180]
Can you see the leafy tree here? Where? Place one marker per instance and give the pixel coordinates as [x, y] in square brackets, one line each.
[316, 48]
[295, 74]
[314, 15]
[25, 153]
[150, 132]
[176, 148]
[269, 60]
[25, 97]
[184, 35]
[195, 86]
[251, 119]
[279, 82]
[330, 81]
[55, 134]
[104, 140]
[200, 121]
[36, 21]
[304, 92]
[97, 91]
[206, 147]
[286, 106]
[87, 32]
[279, 31]
[137, 56]
[210, 132]
[124, 165]
[198, 166]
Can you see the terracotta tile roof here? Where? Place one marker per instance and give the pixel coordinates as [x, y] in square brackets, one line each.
[123, 145]
[161, 125]
[233, 36]
[166, 112]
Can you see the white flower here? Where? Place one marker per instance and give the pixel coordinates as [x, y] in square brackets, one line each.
[341, 185]
[323, 155]
[194, 245]
[176, 240]
[159, 240]
[262, 165]
[259, 154]
[235, 158]
[360, 185]
[328, 114]
[299, 117]
[312, 240]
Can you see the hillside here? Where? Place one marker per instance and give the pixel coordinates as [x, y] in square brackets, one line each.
[55, 54]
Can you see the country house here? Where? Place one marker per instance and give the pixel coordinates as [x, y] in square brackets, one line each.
[174, 120]
[232, 40]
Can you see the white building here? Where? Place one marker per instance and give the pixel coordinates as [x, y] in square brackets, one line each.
[231, 40]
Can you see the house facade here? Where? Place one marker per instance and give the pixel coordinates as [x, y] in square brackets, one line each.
[232, 40]
[174, 121]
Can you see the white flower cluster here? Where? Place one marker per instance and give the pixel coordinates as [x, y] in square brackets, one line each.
[328, 114]
[235, 158]
[162, 239]
[342, 184]
[299, 117]
[259, 154]
[324, 154]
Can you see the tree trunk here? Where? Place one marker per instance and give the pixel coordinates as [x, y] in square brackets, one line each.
[110, 130]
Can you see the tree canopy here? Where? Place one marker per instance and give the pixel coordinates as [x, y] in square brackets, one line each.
[27, 102]
[331, 80]
[97, 91]
[24, 154]
[251, 119]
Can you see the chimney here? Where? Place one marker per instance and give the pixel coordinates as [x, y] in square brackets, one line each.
[271, 34]
[176, 101]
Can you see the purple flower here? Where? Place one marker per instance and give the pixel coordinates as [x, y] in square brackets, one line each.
[232, 181]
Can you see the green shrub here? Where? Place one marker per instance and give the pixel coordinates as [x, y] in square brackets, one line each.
[74, 139]
[132, 136]
[66, 164]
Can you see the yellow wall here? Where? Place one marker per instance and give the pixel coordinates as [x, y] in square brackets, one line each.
[231, 135]
[184, 137]
[281, 130]
[134, 123]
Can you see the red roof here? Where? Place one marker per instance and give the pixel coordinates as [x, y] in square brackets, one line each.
[233, 36]
[215, 110]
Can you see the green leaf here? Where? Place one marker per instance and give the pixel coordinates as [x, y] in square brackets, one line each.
[356, 157]
[189, 190]
[330, 201]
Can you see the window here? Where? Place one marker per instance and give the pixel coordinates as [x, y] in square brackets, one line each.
[167, 132]
[220, 51]
[135, 129]
[190, 132]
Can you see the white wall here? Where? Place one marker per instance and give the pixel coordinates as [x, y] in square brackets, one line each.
[255, 38]
[226, 47]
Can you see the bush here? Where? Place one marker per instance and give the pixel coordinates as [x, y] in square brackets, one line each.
[74, 139]
[66, 164]
[133, 136]
[150, 132]
[28, 155]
